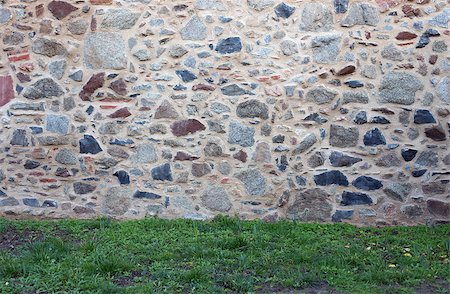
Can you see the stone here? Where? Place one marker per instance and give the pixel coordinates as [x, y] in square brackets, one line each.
[369, 71]
[43, 88]
[123, 177]
[349, 69]
[118, 86]
[95, 82]
[333, 177]
[144, 153]
[119, 19]
[81, 188]
[284, 10]
[162, 173]
[209, 5]
[389, 159]
[399, 88]
[316, 17]
[408, 154]
[379, 120]
[200, 169]
[339, 159]
[19, 138]
[10, 201]
[187, 126]
[354, 84]
[194, 30]
[186, 75]
[311, 205]
[260, 5]
[435, 188]
[77, 76]
[355, 198]
[427, 158]
[142, 55]
[361, 14]
[391, 52]
[48, 48]
[367, 183]
[6, 89]
[50, 203]
[146, 195]
[341, 6]
[57, 68]
[342, 137]
[307, 142]
[78, 27]
[117, 201]
[423, 116]
[241, 134]
[288, 47]
[89, 145]
[355, 97]
[443, 89]
[5, 15]
[397, 191]
[235, 90]
[177, 51]
[402, 36]
[252, 108]
[374, 137]
[321, 95]
[229, 45]
[436, 133]
[61, 9]
[262, 153]
[58, 124]
[316, 160]
[66, 156]
[439, 208]
[254, 182]
[120, 113]
[241, 156]
[412, 210]
[216, 198]
[32, 202]
[326, 47]
[424, 39]
[183, 156]
[31, 164]
[104, 50]
[165, 110]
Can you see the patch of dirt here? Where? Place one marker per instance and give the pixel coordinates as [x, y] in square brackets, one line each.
[439, 286]
[317, 288]
[12, 238]
[124, 281]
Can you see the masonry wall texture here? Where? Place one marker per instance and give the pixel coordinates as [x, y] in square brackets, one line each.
[306, 110]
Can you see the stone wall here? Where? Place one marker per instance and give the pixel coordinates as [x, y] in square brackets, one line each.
[306, 110]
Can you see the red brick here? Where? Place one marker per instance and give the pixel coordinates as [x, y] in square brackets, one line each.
[6, 89]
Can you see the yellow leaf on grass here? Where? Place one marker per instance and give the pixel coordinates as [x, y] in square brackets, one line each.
[392, 265]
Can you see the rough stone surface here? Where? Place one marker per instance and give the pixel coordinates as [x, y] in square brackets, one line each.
[105, 50]
[311, 205]
[399, 88]
[326, 47]
[43, 88]
[316, 17]
[117, 201]
[361, 14]
[216, 198]
[341, 136]
[254, 182]
[120, 19]
[321, 95]
[252, 108]
[195, 30]
[241, 134]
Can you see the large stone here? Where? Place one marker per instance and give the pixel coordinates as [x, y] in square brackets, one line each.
[361, 14]
[439, 208]
[119, 19]
[216, 198]
[43, 88]
[61, 9]
[6, 89]
[241, 134]
[316, 17]
[194, 30]
[311, 205]
[48, 47]
[187, 126]
[333, 177]
[321, 95]
[423, 116]
[326, 47]
[144, 153]
[162, 173]
[307, 142]
[367, 183]
[398, 191]
[254, 182]
[252, 108]
[104, 50]
[428, 158]
[229, 45]
[339, 159]
[343, 137]
[116, 201]
[399, 88]
[58, 124]
[355, 198]
[66, 156]
[89, 145]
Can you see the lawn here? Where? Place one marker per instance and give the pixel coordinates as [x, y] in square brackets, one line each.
[225, 255]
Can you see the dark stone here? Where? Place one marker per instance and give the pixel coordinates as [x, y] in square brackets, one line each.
[94, 83]
[278, 139]
[31, 164]
[360, 118]
[283, 10]
[301, 181]
[339, 215]
[241, 156]
[33, 202]
[234, 90]
[119, 87]
[408, 154]
[425, 38]
[316, 118]
[405, 36]
[186, 75]
[412, 210]
[282, 163]
[89, 145]
[19, 138]
[10, 201]
[423, 116]
[341, 6]
[83, 188]
[438, 207]
[252, 108]
[354, 84]
[435, 188]
[123, 177]
[367, 183]
[333, 177]
[187, 126]
[146, 195]
[61, 9]
[346, 70]
[62, 172]
[436, 133]
[311, 205]
[316, 160]
[374, 137]
[121, 142]
[355, 198]
[338, 159]
[418, 173]
[200, 169]
[379, 120]
[50, 203]
[182, 156]
[120, 113]
[229, 45]
[162, 173]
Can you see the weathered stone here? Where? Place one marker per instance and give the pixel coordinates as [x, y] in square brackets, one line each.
[6, 89]
[185, 127]
[78, 27]
[436, 133]
[320, 95]
[435, 188]
[32, 202]
[252, 108]
[311, 205]
[428, 158]
[355, 97]
[388, 159]
[342, 137]
[43, 88]
[94, 83]
[262, 153]
[260, 5]
[83, 188]
[399, 88]
[209, 5]
[31, 164]
[339, 215]
[165, 110]
[241, 134]
[19, 138]
[341, 6]
[66, 156]
[77, 76]
[216, 198]
[241, 156]
[307, 142]
[333, 177]
[48, 47]
[408, 154]
[423, 116]
[374, 137]
[89, 145]
[355, 198]
[61, 9]
[316, 17]
[57, 68]
[367, 183]
[405, 36]
[10, 201]
[123, 177]
[338, 159]
[391, 52]
[146, 195]
[5, 16]
[316, 160]
[235, 90]
[144, 153]
[326, 47]
[361, 14]
[254, 182]
[104, 50]
[162, 173]
[412, 210]
[117, 201]
[439, 208]
[177, 51]
[200, 169]
[284, 10]
[288, 47]
[119, 19]
[398, 191]
[58, 124]
[229, 45]
[194, 30]
[186, 75]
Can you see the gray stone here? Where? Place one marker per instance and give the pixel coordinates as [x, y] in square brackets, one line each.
[177, 51]
[57, 68]
[443, 89]
[326, 47]
[428, 158]
[398, 191]
[144, 153]
[320, 95]
[213, 149]
[119, 19]
[399, 88]
[43, 88]
[341, 6]
[361, 14]
[316, 17]
[412, 210]
[216, 198]
[104, 50]
[343, 137]
[241, 134]
[194, 30]
[288, 47]
[235, 90]
[218, 107]
[209, 5]
[439, 46]
[316, 160]
[262, 153]
[77, 76]
[389, 159]
[48, 47]
[28, 106]
[254, 182]
[10, 201]
[311, 205]
[307, 142]
[200, 169]
[339, 159]
[355, 97]
[19, 138]
[391, 52]
[58, 124]
[5, 16]
[142, 55]
[83, 188]
[369, 71]
[78, 27]
[252, 108]
[117, 201]
[66, 156]
[109, 128]
[260, 5]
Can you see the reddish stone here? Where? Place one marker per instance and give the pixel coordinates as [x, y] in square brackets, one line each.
[166, 110]
[203, 87]
[409, 11]
[182, 156]
[37, 174]
[6, 89]
[438, 207]
[119, 87]
[436, 133]
[46, 180]
[200, 169]
[93, 23]
[433, 59]
[120, 113]
[61, 9]
[108, 106]
[18, 55]
[39, 10]
[384, 5]
[346, 70]
[101, 2]
[241, 156]
[94, 83]
[405, 36]
[187, 126]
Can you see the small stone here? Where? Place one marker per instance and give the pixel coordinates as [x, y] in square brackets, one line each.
[216, 198]
[367, 183]
[58, 124]
[391, 52]
[252, 108]
[31, 164]
[439, 46]
[83, 188]
[89, 145]
[43, 88]
[361, 14]
[308, 141]
[398, 191]
[200, 169]
[177, 51]
[423, 116]
[241, 134]
[235, 90]
[66, 156]
[288, 47]
[120, 113]
[310, 205]
[185, 127]
[77, 76]
[355, 198]
[78, 27]
[19, 138]
[162, 173]
[166, 110]
[283, 10]
[5, 16]
[333, 177]
[61, 9]
[209, 5]
[379, 120]
[142, 55]
[241, 156]
[316, 160]
[369, 71]
[146, 195]
[349, 69]
[405, 36]
[183, 156]
[57, 68]
[119, 19]
[186, 75]
[316, 17]
[116, 201]
[123, 177]
[105, 50]
[399, 88]
[374, 137]
[435, 188]
[389, 159]
[194, 30]
[408, 154]
[436, 133]
[342, 137]
[338, 159]
[262, 153]
[411, 210]
[48, 47]
[50, 203]
[254, 182]
[320, 95]
[341, 6]
[229, 45]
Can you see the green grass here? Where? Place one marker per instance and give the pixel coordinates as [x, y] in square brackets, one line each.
[222, 256]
